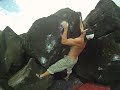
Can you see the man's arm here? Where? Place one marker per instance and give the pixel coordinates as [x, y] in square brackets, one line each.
[83, 32]
[70, 41]
[81, 25]
[73, 42]
[64, 35]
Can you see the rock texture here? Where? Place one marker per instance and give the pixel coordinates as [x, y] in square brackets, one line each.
[11, 55]
[11, 50]
[98, 63]
[104, 20]
[25, 79]
[71, 84]
[98, 59]
[44, 35]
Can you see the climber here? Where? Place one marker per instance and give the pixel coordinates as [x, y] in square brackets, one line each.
[77, 46]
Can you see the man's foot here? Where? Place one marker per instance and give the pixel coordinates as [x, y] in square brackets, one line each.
[66, 78]
[37, 75]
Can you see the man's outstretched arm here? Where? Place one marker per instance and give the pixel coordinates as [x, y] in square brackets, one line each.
[81, 25]
[68, 41]
[64, 35]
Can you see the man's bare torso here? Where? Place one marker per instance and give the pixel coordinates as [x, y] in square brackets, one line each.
[77, 44]
[76, 50]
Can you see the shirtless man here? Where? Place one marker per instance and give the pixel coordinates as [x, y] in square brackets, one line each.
[77, 46]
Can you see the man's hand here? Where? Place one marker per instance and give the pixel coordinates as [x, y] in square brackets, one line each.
[64, 35]
[64, 24]
[81, 24]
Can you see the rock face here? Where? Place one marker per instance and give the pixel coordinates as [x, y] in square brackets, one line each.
[11, 51]
[100, 60]
[71, 84]
[12, 56]
[25, 79]
[104, 20]
[44, 36]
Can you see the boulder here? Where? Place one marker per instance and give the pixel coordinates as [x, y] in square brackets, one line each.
[104, 20]
[2, 65]
[71, 84]
[25, 79]
[45, 34]
[99, 54]
[95, 61]
[11, 51]
[99, 62]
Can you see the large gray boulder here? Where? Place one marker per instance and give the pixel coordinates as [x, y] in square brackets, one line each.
[25, 79]
[104, 20]
[45, 34]
[11, 51]
[100, 60]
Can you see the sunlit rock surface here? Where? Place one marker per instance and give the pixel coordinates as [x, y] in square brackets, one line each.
[1, 88]
[94, 62]
[12, 56]
[25, 79]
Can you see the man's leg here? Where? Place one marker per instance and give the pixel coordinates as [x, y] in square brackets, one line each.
[67, 77]
[42, 75]
[45, 74]
[57, 67]
[69, 70]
